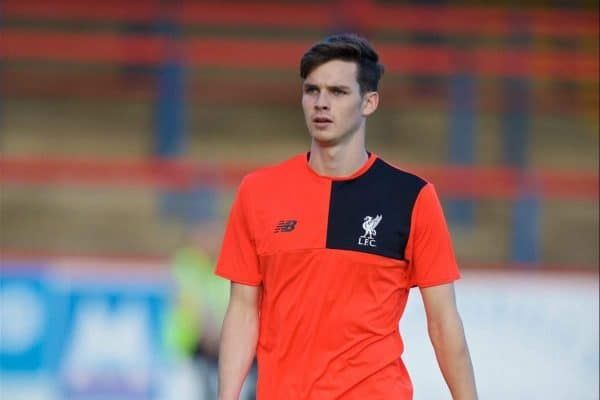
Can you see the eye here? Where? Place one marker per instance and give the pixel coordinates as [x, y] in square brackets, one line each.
[338, 91]
[310, 90]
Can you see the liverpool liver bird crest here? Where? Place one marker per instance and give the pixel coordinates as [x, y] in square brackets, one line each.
[369, 226]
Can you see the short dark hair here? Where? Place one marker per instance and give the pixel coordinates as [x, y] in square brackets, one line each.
[345, 47]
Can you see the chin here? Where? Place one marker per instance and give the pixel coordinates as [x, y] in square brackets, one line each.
[325, 140]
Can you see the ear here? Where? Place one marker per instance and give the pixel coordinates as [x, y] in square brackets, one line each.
[369, 103]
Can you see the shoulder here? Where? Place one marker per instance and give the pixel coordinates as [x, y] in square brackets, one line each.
[273, 174]
[411, 188]
[394, 176]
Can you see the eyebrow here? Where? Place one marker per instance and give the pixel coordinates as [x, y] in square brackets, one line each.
[341, 87]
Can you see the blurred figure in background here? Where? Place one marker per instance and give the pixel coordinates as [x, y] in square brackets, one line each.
[199, 304]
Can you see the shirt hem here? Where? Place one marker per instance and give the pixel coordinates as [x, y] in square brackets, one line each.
[437, 282]
[237, 280]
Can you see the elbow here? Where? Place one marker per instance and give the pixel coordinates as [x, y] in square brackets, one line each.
[448, 328]
[436, 334]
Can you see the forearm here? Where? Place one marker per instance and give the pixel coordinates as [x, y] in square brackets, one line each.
[238, 345]
[453, 357]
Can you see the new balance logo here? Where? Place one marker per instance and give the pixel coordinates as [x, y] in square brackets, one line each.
[285, 225]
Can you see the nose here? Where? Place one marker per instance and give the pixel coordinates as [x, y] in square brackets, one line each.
[322, 103]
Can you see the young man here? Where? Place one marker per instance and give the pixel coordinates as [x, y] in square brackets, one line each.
[322, 249]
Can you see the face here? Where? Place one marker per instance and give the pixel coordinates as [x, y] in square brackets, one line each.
[334, 108]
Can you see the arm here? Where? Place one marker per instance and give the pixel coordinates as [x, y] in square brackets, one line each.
[448, 339]
[238, 339]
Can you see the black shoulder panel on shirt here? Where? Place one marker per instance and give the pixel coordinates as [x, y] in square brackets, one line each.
[372, 213]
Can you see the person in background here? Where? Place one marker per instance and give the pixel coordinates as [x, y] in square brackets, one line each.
[194, 323]
[322, 250]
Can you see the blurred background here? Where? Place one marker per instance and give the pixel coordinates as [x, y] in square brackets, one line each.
[126, 126]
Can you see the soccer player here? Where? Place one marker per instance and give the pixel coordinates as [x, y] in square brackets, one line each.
[322, 250]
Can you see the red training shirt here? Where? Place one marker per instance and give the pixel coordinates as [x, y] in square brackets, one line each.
[336, 258]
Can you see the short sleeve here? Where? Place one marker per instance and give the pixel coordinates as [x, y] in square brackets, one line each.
[238, 260]
[433, 261]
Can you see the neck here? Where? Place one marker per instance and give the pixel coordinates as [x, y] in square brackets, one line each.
[337, 161]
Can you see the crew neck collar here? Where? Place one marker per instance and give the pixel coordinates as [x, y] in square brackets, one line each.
[364, 168]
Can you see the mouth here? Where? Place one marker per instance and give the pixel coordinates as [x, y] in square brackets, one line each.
[322, 122]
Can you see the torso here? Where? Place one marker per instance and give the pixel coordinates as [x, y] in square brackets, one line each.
[335, 266]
